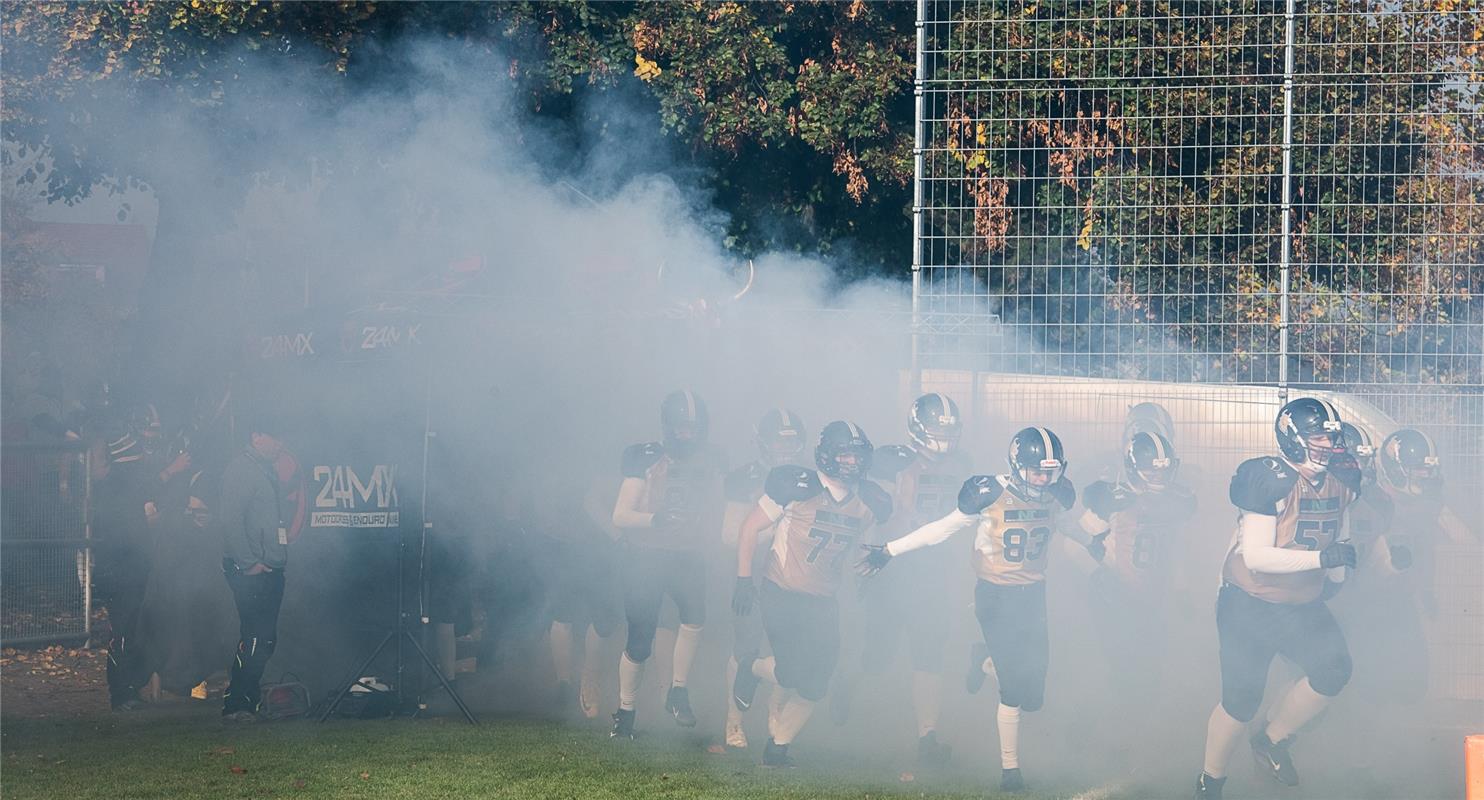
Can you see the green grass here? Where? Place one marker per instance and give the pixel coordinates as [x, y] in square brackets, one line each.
[187, 754]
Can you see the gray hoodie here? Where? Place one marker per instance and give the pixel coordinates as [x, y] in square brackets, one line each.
[250, 514]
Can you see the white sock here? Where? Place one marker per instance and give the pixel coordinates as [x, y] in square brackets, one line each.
[1222, 734]
[734, 714]
[561, 650]
[1300, 706]
[686, 643]
[794, 715]
[927, 696]
[630, 675]
[776, 701]
[1009, 722]
[763, 669]
[592, 650]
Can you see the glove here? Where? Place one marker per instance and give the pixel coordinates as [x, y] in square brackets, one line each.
[743, 597]
[670, 518]
[877, 557]
[1096, 548]
[1401, 556]
[1339, 554]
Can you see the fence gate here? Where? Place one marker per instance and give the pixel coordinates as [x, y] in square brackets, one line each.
[1224, 194]
[44, 563]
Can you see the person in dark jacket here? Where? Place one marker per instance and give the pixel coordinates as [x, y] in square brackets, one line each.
[255, 552]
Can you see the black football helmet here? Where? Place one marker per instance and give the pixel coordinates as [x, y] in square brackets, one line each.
[780, 437]
[1148, 417]
[1300, 420]
[844, 451]
[1358, 444]
[1409, 461]
[1036, 451]
[1150, 462]
[933, 424]
[683, 421]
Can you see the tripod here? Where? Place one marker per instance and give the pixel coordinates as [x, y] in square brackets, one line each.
[402, 631]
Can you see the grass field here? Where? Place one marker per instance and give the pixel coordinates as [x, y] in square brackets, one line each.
[180, 754]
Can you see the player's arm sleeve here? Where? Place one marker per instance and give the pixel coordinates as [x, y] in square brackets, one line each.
[1260, 552]
[626, 513]
[935, 532]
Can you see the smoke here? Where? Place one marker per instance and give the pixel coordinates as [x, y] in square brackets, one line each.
[431, 257]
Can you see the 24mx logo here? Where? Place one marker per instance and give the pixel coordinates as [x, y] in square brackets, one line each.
[298, 344]
[380, 337]
[346, 501]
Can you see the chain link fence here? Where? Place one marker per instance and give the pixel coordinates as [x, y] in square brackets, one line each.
[45, 567]
[1214, 205]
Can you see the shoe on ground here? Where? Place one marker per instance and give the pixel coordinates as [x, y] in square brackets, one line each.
[736, 737]
[623, 725]
[243, 717]
[1208, 788]
[1273, 760]
[775, 756]
[132, 704]
[588, 697]
[975, 679]
[1010, 780]
[744, 686]
[677, 702]
[931, 752]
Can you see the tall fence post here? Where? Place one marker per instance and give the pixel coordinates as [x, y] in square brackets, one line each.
[1286, 246]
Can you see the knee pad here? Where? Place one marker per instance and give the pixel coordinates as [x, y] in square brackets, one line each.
[1032, 703]
[639, 651]
[814, 691]
[1241, 706]
[1332, 676]
[254, 653]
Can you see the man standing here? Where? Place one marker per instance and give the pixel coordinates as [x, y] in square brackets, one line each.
[255, 552]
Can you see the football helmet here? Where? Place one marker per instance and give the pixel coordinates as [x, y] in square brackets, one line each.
[1150, 462]
[780, 437]
[934, 424]
[1301, 421]
[1036, 461]
[844, 451]
[1148, 417]
[683, 421]
[1409, 461]
[1359, 445]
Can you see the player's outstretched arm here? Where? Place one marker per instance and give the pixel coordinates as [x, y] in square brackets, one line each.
[935, 532]
[745, 592]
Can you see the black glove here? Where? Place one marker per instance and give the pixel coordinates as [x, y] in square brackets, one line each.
[743, 597]
[1401, 556]
[1096, 548]
[670, 518]
[876, 558]
[1339, 554]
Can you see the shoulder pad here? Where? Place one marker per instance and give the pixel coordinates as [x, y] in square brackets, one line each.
[1106, 498]
[1064, 492]
[876, 499]
[890, 460]
[1260, 483]
[791, 484]
[978, 493]
[1348, 473]
[638, 458]
[745, 482]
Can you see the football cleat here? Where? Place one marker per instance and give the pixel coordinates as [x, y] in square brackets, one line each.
[745, 684]
[975, 680]
[776, 756]
[1273, 759]
[1010, 780]
[931, 752]
[1208, 788]
[677, 702]
[623, 724]
[736, 737]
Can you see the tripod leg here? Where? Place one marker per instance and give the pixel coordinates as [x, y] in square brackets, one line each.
[355, 676]
[447, 687]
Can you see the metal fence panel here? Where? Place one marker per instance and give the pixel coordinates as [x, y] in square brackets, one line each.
[45, 572]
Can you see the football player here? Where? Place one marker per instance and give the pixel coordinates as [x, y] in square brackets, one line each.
[913, 603]
[1014, 515]
[820, 516]
[671, 493]
[1285, 558]
[1370, 517]
[1134, 526]
[780, 438]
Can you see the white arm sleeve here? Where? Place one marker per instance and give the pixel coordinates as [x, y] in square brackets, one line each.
[932, 533]
[626, 513]
[1259, 538]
